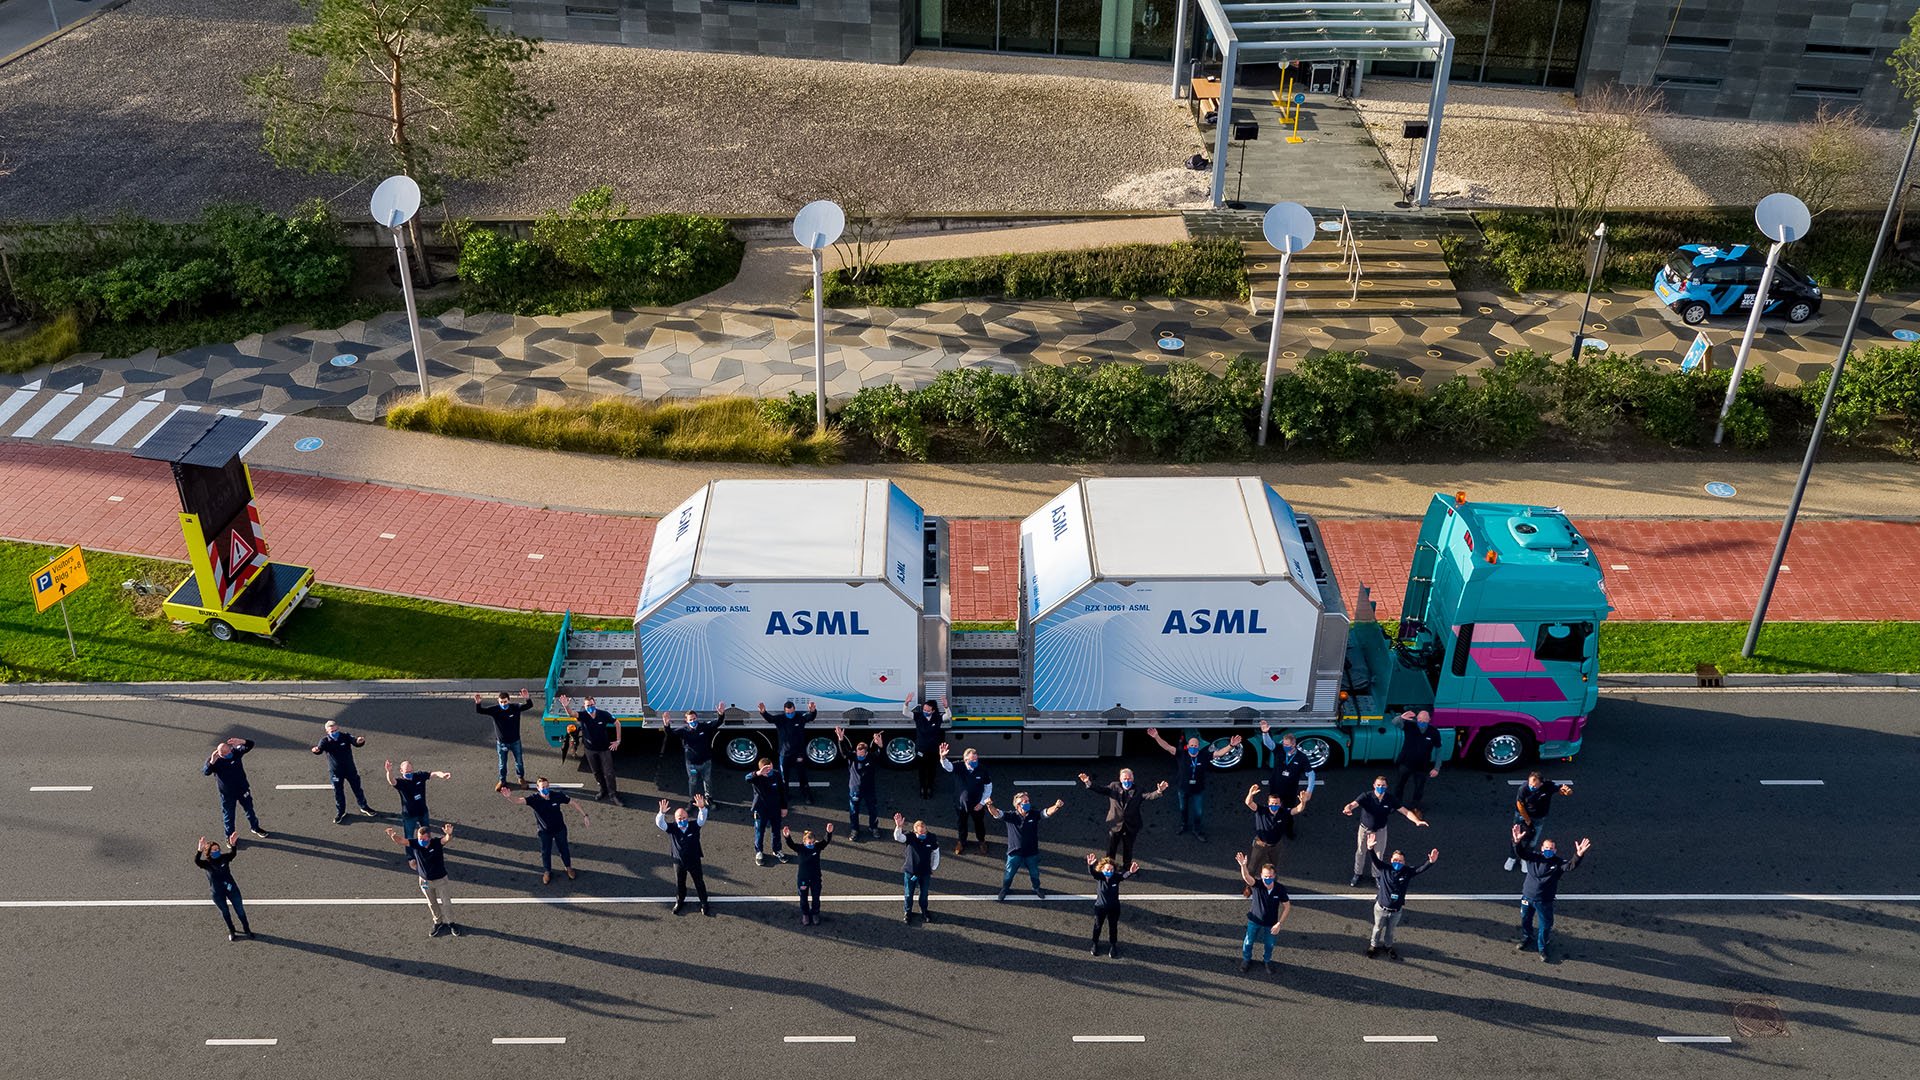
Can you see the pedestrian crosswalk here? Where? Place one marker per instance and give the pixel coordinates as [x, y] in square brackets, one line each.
[120, 418]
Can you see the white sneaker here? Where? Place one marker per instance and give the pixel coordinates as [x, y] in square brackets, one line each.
[1511, 863]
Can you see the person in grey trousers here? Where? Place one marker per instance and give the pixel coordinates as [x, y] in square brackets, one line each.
[1393, 876]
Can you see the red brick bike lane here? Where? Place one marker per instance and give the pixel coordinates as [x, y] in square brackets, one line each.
[475, 551]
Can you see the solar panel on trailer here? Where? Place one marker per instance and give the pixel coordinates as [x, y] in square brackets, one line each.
[195, 438]
[224, 442]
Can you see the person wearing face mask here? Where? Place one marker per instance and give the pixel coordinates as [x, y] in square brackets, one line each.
[505, 714]
[1394, 876]
[863, 781]
[917, 863]
[972, 788]
[1545, 868]
[1023, 840]
[599, 741]
[768, 804]
[683, 842]
[219, 867]
[551, 824]
[426, 857]
[341, 772]
[411, 785]
[1269, 908]
[1530, 810]
[1191, 763]
[1376, 808]
[230, 776]
[1270, 815]
[1124, 804]
[1106, 900]
[696, 748]
[927, 730]
[791, 728]
[1292, 776]
[1419, 757]
[806, 851]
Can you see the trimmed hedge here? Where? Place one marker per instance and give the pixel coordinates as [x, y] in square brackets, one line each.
[1198, 268]
[592, 255]
[1520, 249]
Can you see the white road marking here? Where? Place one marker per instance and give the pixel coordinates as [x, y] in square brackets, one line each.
[389, 536]
[14, 401]
[126, 420]
[987, 897]
[58, 787]
[1046, 783]
[116, 498]
[818, 1038]
[545, 1040]
[303, 787]
[272, 421]
[1617, 566]
[89, 414]
[243, 1042]
[1109, 1038]
[1517, 783]
[54, 407]
[229, 412]
[1400, 1038]
[566, 785]
[1696, 1038]
[1794, 783]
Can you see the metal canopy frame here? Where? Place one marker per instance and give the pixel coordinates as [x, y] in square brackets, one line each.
[1318, 31]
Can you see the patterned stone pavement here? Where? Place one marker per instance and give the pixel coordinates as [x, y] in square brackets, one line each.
[363, 367]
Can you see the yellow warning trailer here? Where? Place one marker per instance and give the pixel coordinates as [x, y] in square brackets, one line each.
[234, 587]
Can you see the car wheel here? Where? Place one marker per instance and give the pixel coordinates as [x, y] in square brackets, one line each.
[901, 752]
[1800, 312]
[1321, 752]
[1504, 748]
[823, 751]
[220, 629]
[1693, 314]
[743, 752]
[1229, 756]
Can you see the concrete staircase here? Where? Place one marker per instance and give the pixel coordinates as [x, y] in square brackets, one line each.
[1402, 270]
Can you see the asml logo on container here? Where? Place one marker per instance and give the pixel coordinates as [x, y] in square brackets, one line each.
[799, 623]
[1207, 621]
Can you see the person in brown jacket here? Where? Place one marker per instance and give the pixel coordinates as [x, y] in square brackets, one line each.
[1124, 823]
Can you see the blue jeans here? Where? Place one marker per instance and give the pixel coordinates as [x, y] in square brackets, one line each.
[791, 768]
[550, 840]
[766, 828]
[1527, 910]
[1531, 841]
[907, 883]
[1015, 863]
[864, 799]
[225, 894]
[340, 784]
[700, 779]
[245, 799]
[1193, 810]
[1261, 933]
[519, 764]
[410, 824]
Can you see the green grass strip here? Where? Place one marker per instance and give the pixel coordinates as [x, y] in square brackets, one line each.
[1785, 648]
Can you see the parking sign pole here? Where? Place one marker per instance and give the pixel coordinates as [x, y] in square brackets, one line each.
[1826, 400]
[69, 624]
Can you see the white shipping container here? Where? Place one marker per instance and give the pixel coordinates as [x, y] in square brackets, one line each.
[1168, 596]
[776, 590]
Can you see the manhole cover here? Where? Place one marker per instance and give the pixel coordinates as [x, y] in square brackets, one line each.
[1172, 344]
[309, 444]
[1758, 1018]
[344, 360]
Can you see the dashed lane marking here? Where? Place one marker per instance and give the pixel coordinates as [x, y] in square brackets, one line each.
[243, 1042]
[1793, 783]
[63, 787]
[303, 787]
[1109, 1038]
[1696, 1038]
[1400, 1038]
[539, 1040]
[818, 1038]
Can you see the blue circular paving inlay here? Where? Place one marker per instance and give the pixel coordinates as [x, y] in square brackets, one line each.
[309, 444]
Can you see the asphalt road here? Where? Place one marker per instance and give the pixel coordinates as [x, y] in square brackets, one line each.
[1673, 920]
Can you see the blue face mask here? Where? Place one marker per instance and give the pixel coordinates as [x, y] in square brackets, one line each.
[1022, 807]
[1379, 789]
[1273, 808]
[1266, 881]
[1193, 751]
[1398, 864]
[424, 843]
[1547, 852]
[861, 756]
[1107, 873]
[972, 765]
[1421, 724]
[1126, 783]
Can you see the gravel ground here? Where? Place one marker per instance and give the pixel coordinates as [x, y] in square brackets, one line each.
[1684, 161]
[141, 109]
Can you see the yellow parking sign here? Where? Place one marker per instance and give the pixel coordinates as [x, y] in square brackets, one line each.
[52, 582]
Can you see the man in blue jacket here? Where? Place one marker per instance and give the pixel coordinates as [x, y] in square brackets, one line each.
[863, 780]
[683, 841]
[230, 775]
[1545, 868]
[505, 714]
[696, 748]
[1419, 756]
[791, 761]
[768, 804]
[341, 771]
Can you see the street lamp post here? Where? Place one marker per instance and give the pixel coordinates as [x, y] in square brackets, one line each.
[1289, 228]
[1782, 219]
[817, 226]
[1826, 400]
[1593, 275]
[395, 202]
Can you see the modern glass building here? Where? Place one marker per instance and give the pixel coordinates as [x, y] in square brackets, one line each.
[1514, 42]
[1120, 29]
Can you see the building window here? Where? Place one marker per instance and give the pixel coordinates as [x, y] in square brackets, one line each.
[1842, 52]
[1814, 90]
[1701, 44]
[1689, 82]
[601, 13]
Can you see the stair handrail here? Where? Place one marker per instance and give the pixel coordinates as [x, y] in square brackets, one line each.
[1350, 253]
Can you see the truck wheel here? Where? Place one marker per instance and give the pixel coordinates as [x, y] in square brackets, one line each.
[1230, 756]
[1693, 314]
[1321, 752]
[743, 752]
[823, 751]
[1504, 748]
[901, 752]
[220, 629]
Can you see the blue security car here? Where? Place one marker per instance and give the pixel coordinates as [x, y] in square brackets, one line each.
[1702, 280]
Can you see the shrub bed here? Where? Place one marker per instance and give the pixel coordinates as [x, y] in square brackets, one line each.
[593, 255]
[56, 339]
[708, 429]
[1198, 268]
